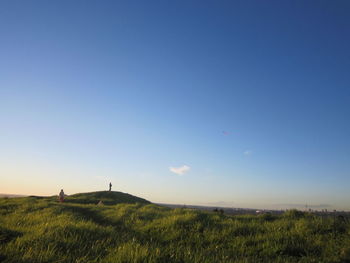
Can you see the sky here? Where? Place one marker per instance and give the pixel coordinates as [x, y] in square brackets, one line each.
[231, 103]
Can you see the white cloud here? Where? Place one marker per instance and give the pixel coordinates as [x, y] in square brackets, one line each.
[247, 152]
[180, 170]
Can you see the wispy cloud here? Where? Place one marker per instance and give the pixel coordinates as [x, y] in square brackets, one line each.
[248, 152]
[180, 170]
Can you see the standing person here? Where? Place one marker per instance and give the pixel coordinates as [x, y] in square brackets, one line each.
[110, 186]
[61, 196]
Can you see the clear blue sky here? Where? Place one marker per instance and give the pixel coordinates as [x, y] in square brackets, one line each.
[249, 100]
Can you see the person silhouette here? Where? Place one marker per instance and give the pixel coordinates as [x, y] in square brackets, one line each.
[110, 186]
[61, 196]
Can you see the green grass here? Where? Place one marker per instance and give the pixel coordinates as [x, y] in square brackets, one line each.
[129, 229]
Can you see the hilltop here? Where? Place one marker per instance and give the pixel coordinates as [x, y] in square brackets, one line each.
[93, 198]
[108, 198]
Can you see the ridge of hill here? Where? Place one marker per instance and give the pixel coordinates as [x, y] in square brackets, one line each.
[107, 197]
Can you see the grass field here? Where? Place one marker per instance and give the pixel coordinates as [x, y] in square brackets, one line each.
[129, 229]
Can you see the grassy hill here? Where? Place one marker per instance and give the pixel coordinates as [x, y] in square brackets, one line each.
[130, 229]
[107, 198]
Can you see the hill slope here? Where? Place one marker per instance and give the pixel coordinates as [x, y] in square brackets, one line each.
[108, 198]
[38, 230]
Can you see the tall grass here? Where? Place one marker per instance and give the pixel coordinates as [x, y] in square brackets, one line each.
[42, 230]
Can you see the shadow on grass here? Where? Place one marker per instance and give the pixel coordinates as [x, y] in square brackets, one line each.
[6, 235]
[87, 213]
